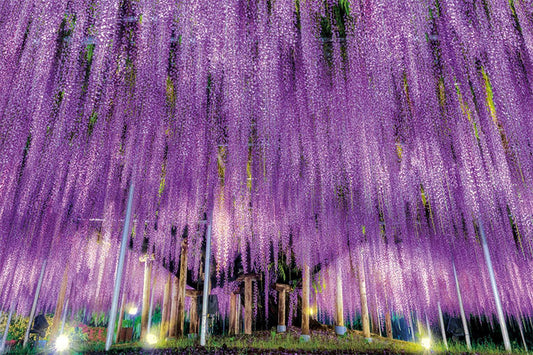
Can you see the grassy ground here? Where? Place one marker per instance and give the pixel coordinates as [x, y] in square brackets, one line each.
[322, 342]
[272, 343]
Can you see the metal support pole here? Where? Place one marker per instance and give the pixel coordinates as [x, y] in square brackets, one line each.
[442, 329]
[207, 270]
[428, 327]
[499, 309]
[65, 310]
[412, 327]
[6, 330]
[151, 309]
[118, 274]
[165, 309]
[461, 308]
[519, 321]
[146, 295]
[34, 305]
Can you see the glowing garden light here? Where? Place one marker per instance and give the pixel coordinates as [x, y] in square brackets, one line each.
[151, 339]
[426, 342]
[133, 310]
[62, 343]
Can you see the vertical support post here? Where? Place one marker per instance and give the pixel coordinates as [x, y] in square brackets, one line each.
[364, 301]
[306, 283]
[173, 324]
[314, 307]
[520, 328]
[194, 315]
[442, 328]
[428, 328]
[499, 309]
[120, 317]
[6, 330]
[376, 322]
[235, 313]
[151, 309]
[59, 306]
[417, 322]
[166, 309]
[248, 305]
[340, 329]
[207, 270]
[281, 312]
[181, 289]
[248, 279]
[282, 306]
[231, 314]
[388, 324]
[146, 294]
[34, 305]
[238, 313]
[461, 309]
[193, 311]
[412, 327]
[64, 318]
[118, 274]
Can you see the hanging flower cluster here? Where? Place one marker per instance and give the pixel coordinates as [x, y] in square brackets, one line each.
[309, 129]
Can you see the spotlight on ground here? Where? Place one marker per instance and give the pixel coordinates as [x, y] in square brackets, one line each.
[151, 339]
[62, 343]
[426, 343]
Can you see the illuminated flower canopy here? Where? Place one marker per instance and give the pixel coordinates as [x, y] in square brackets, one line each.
[311, 128]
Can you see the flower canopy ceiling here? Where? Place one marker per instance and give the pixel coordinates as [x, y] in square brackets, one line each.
[321, 130]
